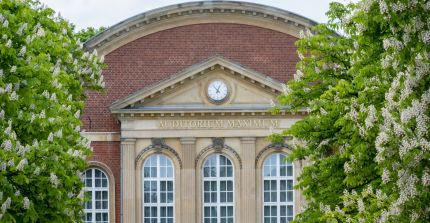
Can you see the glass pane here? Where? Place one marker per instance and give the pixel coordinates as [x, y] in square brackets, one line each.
[229, 171]
[283, 171]
[206, 171]
[273, 211]
[170, 211]
[89, 216]
[266, 210]
[170, 172]
[289, 210]
[283, 211]
[146, 172]
[223, 171]
[97, 173]
[289, 196]
[289, 170]
[266, 171]
[104, 183]
[153, 172]
[290, 185]
[162, 171]
[283, 197]
[206, 212]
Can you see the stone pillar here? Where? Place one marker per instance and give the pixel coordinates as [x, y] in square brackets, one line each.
[128, 181]
[248, 180]
[188, 181]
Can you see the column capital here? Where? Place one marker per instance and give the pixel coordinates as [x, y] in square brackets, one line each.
[248, 140]
[128, 141]
[188, 140]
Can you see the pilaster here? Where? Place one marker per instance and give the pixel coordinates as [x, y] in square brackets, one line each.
[188, 181]
[248, 180]
[128, 180]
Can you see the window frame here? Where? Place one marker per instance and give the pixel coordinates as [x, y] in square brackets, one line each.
[158, 180]
[278, 178]
[218, 179]
[93, 191]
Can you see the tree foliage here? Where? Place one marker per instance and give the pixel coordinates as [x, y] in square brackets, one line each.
[86, 34]
[366, 137]
[43, 74]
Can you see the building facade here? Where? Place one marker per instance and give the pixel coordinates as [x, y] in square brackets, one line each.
[179, 135]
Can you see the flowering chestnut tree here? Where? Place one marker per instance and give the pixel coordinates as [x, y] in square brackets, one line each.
[44, 72]
[367, 90]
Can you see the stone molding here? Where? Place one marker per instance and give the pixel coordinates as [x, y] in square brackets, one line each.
[278, 146]
[199, 12]
[158, 146]
[188, 140]
[102, 136]
[218, 146]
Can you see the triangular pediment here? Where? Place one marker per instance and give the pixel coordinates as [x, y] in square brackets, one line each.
[185, 91]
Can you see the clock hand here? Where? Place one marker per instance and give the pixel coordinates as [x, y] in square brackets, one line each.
[217, 89]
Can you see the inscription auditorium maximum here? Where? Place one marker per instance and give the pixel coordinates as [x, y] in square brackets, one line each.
[219, 124]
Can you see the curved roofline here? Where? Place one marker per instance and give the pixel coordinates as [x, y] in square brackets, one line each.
[217, 10]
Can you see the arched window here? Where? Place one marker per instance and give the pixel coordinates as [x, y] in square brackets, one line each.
[218, 192]
[97, 188]
[278, 193]
[158, 190]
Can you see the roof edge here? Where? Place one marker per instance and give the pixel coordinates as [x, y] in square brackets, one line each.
[139, 21]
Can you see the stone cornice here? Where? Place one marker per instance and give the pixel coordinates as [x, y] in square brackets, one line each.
[199, 12]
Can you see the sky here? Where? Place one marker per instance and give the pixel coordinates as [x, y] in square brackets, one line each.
[96, 13]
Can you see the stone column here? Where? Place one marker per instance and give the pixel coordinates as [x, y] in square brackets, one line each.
[188, 181]
[248, 180]
[128, 180]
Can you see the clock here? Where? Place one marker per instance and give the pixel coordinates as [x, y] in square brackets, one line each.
[217, 91]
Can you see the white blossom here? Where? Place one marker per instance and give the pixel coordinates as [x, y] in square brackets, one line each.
[14, 96]
[426, 178]
[385, 176]
[5, 23]
[77, 114]
[26, 203]
[8, 44]
[54, 179]
[21, 164]
[392, 43]
[360, 204]
[6, 205]
[42, 114]
[37, 171]
[13, 69]
[7, 145]
[22, 51]
[298, 75]
[50, 137]
[347, 168]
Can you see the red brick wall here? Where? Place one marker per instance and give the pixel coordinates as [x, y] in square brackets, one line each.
[154, 57]
[109, 154]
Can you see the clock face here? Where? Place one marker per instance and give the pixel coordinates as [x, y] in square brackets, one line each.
[217, 90]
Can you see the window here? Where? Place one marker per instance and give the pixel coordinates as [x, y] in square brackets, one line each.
[278, 193]
[158, 190]
[97, 189]
[218, 192]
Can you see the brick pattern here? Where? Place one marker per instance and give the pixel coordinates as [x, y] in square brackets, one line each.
[109, 154]
[154, 57]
